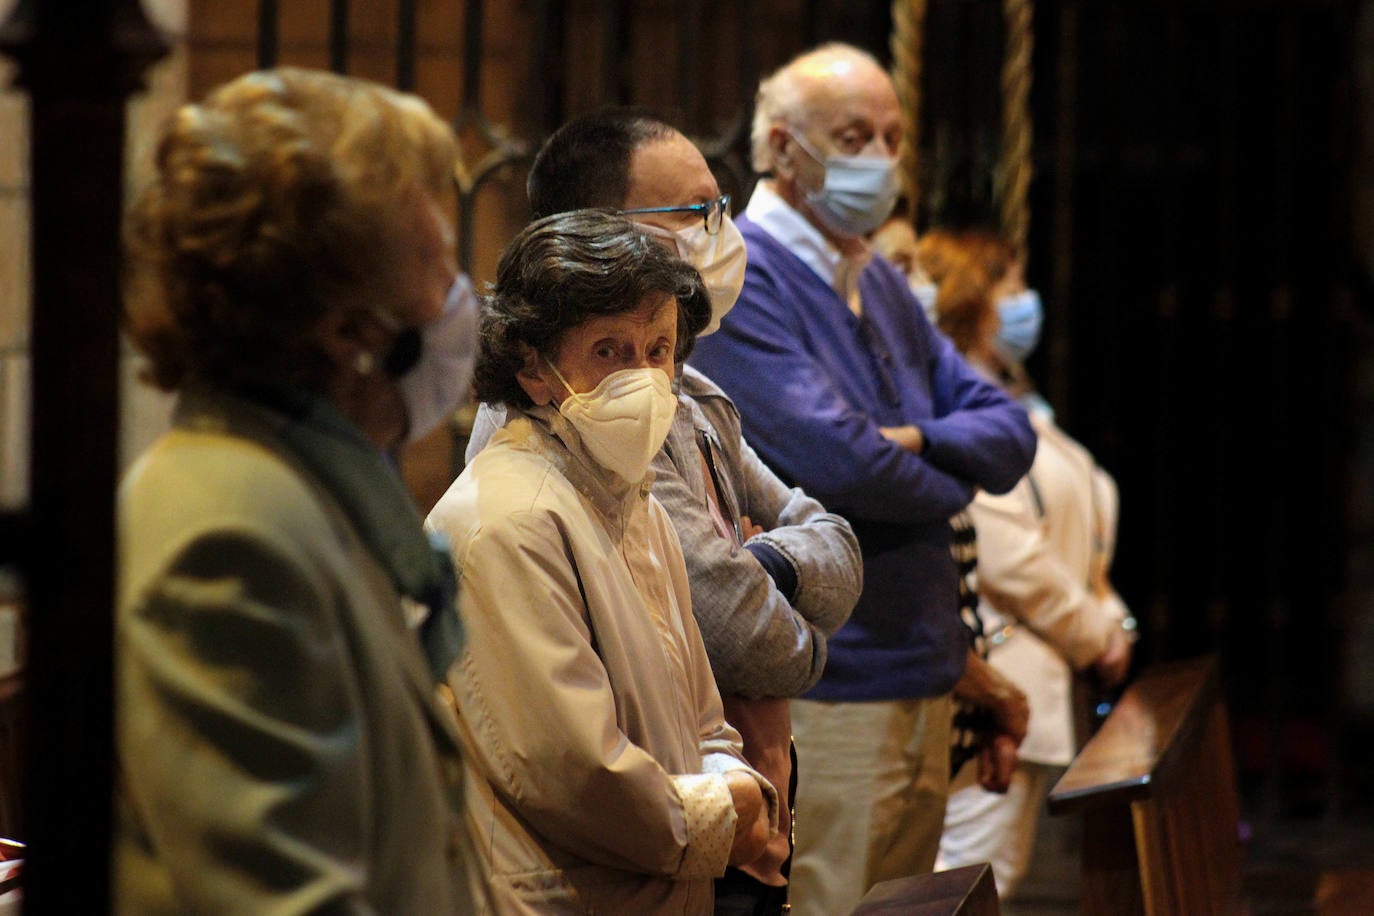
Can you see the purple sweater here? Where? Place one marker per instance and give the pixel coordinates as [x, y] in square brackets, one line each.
[813, 384]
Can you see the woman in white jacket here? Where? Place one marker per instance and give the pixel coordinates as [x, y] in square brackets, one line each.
[1044, 550]
[603, 777]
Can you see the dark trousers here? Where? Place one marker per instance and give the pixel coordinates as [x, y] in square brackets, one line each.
[741, 894]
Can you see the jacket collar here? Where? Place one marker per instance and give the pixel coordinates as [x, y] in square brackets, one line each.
[360, 481]
[561, 445]
[419, 571]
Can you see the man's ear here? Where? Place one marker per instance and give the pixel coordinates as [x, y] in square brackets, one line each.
[531, 377]
[780, 146]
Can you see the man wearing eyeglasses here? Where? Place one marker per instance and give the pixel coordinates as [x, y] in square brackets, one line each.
[846, 389]
[772, 574]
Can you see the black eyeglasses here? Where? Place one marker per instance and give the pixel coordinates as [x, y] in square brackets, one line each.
[712, 212]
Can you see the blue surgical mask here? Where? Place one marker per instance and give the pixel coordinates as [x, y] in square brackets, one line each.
[1021, 315]
[859, 191]
[925, 293]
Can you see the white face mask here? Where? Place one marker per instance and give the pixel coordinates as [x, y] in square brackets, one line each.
[437, 383]
[719, 258]
[624, 420]
[859, 191]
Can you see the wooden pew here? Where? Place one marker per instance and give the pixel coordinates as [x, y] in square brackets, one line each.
[1156, 789]
[966, 891]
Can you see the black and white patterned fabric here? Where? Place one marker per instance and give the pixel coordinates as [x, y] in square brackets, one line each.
[972, 725]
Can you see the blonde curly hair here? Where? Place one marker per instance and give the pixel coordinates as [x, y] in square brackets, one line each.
[277, 200]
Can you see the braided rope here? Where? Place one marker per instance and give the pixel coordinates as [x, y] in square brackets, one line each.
[1016, 167]
[908, 21]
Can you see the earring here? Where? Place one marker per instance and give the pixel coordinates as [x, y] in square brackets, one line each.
[364, 363]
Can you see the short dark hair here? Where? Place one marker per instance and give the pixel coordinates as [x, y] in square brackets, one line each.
[565, 269]
[586, 162]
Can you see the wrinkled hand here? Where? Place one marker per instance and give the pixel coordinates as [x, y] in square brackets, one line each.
[908, 437]
[1112, 666]
[747, 528]
[751, 812]
[985, 686]
[1011, 712]
[1099, 583]
[996, 763]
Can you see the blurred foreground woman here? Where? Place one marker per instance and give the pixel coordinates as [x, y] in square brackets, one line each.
[280, 745]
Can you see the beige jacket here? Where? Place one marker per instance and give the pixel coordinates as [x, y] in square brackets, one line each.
[280, 745]
[1037, 549]
[593, 726]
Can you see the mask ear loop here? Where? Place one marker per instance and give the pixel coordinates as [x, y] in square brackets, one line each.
[666, 234]
[548, 362]
[405, 348]
[806, 147]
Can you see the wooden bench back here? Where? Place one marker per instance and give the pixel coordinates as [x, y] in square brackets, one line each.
[1156, 787]
[966, 891]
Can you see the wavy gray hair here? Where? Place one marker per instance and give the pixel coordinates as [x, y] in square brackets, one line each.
[566, 269]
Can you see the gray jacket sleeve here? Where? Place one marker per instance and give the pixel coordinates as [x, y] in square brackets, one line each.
[820, 545]
[759, 642]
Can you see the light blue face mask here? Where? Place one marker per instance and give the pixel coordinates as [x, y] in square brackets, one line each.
[859, 191]
[925, 294]
[1021, 315]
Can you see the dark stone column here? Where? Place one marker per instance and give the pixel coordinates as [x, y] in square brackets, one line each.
[79, 60]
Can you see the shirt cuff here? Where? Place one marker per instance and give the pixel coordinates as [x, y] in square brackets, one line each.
[710, 816]
[778, 567]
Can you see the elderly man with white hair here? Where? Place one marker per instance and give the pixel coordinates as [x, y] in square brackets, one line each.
[846, 390]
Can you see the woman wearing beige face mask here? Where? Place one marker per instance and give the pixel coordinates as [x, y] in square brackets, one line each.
[605, 776]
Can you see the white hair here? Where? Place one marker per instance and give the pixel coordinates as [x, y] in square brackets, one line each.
[782, 96]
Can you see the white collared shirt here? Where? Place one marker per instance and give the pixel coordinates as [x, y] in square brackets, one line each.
[777, 217]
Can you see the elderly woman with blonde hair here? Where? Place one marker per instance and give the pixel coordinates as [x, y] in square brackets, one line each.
[281, 746]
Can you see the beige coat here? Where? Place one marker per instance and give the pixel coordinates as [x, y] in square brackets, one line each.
[280, 745]
[593, 728]
[1037, 547]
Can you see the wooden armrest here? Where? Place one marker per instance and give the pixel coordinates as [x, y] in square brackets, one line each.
[966, 891]
[1141, 744]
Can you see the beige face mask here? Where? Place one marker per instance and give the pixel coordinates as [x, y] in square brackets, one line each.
[624, 420]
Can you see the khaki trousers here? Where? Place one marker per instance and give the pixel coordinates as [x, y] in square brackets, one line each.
[872, 782]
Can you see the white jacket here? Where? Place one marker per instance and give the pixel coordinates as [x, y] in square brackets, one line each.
[1036, 550]
[594, 730]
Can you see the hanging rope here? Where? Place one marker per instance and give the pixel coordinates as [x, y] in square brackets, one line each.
[1016, 167]
[908, 21]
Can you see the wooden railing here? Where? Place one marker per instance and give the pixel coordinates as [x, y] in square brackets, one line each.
[1156, 789]
[967, 891]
